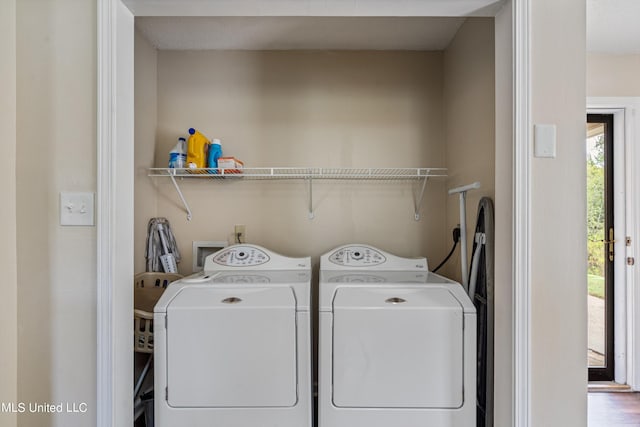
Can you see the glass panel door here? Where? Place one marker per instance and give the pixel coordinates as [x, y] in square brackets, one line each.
[600, 238]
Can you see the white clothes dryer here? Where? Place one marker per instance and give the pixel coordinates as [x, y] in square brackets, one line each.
[397, 343]
[233, 343]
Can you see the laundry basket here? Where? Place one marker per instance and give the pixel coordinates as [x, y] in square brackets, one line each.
[148, 287]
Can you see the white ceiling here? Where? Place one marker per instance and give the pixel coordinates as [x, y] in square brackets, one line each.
[305, 24]
[307, 33]
[313, 7]
[613, 26]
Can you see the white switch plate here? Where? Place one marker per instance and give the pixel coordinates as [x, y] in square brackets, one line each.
[76, 208]
[544, 141]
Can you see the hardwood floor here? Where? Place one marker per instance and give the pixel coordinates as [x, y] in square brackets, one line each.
[621, 409]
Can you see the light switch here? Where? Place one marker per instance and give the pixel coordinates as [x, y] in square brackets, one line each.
[544, 141]
[76, 208]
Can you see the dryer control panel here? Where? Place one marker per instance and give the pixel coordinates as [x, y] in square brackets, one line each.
[357, 256]
[241, 256]
[365, 258]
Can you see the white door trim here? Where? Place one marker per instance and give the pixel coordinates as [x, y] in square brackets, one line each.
[521, 215]
[627, 221]
[115, 215]
[114, 208]
[104, 216]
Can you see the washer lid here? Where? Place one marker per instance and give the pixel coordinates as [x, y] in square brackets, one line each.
[395, 298]
[225, 297]
[231, 347]
[332, 281]
[298, 281]
[397, 348]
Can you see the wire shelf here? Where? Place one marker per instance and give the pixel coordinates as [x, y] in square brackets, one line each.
[303, 173]
[308, 174]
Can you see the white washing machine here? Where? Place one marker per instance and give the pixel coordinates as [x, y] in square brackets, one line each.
[233, 343]
[397, 343]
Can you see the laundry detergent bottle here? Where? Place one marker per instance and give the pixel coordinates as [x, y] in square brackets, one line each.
[215, 152]
[197, 145]
[178, 155]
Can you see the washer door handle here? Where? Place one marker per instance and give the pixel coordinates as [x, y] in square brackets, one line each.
[395, 300]
[232, 300]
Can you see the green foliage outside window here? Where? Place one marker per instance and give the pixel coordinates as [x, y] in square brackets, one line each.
[595, 207]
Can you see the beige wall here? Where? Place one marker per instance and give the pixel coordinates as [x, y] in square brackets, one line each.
[503, 268]
[8, 285]
[613, 75]
[469, 99]
[470, 117]
[56, 151]
[324, 109]
[146, 113]
[558, 223]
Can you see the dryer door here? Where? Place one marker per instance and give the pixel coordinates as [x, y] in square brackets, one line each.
[397, 348]
[232, 347]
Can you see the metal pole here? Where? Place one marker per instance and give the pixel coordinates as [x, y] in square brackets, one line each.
[463, 229]
[463, 240]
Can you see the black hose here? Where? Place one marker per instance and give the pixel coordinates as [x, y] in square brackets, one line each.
[455, 243]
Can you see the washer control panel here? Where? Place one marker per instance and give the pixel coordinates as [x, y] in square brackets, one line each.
[241, 256]
[357, 256]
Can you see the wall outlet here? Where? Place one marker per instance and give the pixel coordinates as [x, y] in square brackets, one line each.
[239, 234]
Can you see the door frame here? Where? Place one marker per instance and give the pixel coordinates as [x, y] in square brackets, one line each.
[115, 213]
[626, 125]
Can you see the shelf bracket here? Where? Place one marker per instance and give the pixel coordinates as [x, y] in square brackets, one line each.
[311, 214]
[184, 202]
[418, 200]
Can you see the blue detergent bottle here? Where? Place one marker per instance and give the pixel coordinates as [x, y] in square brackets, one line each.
[215, 152]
